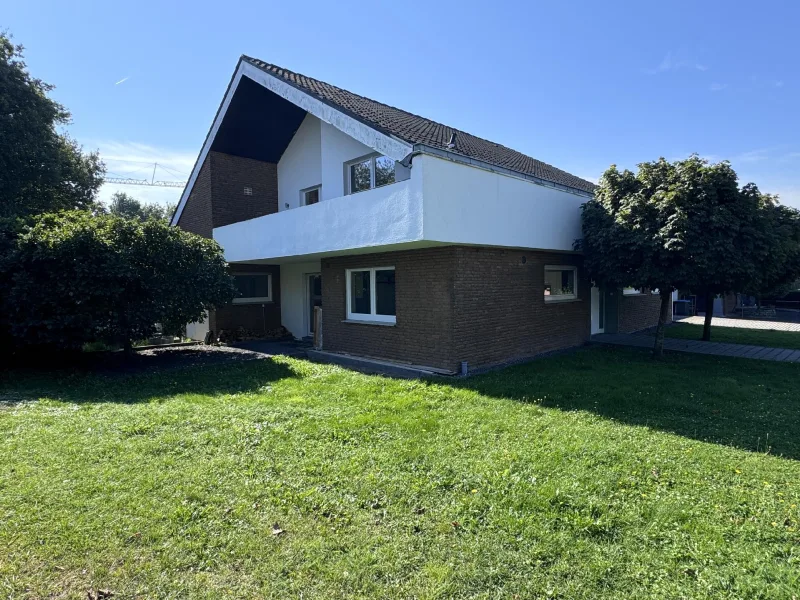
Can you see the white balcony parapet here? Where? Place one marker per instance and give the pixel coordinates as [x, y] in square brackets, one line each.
[383, 216]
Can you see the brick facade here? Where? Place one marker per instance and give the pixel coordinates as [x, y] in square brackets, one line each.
[482, 305]
[218, 196]
[424, 302]
[196, 215]
[500, 311]
[257, 318]
[638, 311]
[218, 199]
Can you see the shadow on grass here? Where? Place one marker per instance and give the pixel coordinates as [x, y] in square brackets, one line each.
[149, 378]
[748, 404]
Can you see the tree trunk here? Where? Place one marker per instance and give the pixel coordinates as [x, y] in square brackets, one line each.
[127, 349]
[663, 316]
[709, 313]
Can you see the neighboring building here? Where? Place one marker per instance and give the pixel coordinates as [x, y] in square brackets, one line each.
[422, 243]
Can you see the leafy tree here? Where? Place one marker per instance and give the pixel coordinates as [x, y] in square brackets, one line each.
[125, 205]
[684, 224]
[77, 277]
[41, 169]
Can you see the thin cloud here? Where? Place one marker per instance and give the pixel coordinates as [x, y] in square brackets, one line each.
[751, 156]
[123, 80]
[136, 160]
[779, 84]
[717, 87]
[672, 62]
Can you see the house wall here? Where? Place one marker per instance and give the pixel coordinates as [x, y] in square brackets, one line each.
[424, 300]
[482, 305]
[196, 215]
[500, 311]
[467, 205]
[300, 166]
[294, 296]
[638, 311]
[229, 176]
[218, 198]
[259, 318]
[337, 148]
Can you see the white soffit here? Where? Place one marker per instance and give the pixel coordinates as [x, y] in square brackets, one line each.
[380, 142]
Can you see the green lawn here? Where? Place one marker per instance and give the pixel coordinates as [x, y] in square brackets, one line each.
[736, 335]
[596, 474]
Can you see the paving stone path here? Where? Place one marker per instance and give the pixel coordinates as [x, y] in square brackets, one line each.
[698, 347]
[742, 323]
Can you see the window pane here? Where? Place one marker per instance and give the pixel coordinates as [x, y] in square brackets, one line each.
[360, 176]
[252, 286]
[384, 292]
[384, 171]
[559, 283]
[359, 292]
[312, 196]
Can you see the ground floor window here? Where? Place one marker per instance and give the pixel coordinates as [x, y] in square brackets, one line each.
[560, 283]
[253, 288]
[371, 294]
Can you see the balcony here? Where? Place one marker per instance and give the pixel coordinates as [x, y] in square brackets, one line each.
[385, 216]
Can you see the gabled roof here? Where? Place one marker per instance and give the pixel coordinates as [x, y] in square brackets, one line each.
[414, 129]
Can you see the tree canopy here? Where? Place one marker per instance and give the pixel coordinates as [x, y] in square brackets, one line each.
[125, 205]
[685, 224]
[76, 277]
[41, 169]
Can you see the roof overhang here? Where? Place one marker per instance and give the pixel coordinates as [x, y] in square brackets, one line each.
[380, 142]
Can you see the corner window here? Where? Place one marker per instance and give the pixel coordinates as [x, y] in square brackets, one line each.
[560, 283]
[310, 195]
[253, 288]
[371, 294]
[369, 172]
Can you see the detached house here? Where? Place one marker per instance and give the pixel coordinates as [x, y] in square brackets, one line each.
[423, 244]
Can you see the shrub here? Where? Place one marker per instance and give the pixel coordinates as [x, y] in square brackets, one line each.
[76, 278]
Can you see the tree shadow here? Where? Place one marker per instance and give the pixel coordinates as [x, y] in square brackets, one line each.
[146, 377]
[748, 404]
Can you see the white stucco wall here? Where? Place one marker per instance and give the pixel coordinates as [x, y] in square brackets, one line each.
[337, 149]
[466, 205]
[300, 167]
[294, 296]
[383, 216]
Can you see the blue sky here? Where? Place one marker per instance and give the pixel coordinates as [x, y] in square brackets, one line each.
[580, 85]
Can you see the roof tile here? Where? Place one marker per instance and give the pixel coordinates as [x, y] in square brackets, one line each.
[418, 130]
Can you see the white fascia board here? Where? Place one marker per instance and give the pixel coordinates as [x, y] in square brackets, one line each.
[380, 142]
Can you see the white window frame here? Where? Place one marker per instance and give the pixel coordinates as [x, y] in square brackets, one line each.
[630, 291]
[563, 297]
[305, 191]
[373, 316]
[257, 299]
[372, 158]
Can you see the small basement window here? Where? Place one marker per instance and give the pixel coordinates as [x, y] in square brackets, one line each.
[560, 283]
[310, 195]
[369, 172]
[248, 191]
[253, 288]
[371, 294]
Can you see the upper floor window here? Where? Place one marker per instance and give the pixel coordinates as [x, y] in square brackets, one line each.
[560, 283]
[310, 195]
[253, 288]
[369, 172]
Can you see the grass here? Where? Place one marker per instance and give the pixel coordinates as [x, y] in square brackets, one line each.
[597, 474]
[737, 335]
